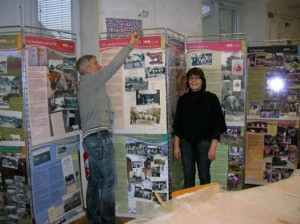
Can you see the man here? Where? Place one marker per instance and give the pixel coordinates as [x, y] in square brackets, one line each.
[96, 116]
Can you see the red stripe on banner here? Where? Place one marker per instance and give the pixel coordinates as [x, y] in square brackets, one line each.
[143, 43]
[231, 45]
[65, 46]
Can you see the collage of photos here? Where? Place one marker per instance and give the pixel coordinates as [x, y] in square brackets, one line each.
[144, 97]
[147, 171]
[282, 82]
[14, 192]
[233, 85]
[280, 148]
[11, 121]
[235, 176]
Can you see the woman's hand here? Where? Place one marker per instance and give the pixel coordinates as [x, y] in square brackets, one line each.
[176, 147]
[212, 149]
[177, 153]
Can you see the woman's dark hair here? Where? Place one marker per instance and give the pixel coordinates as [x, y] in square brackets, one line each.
[196, 72]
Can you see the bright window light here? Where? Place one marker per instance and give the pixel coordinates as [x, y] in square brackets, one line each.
[276, 84]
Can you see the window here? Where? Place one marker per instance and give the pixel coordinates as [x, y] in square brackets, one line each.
[219, 18]
[55, 14]
[228, 19]
[207, 18]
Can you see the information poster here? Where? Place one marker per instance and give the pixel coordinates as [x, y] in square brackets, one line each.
[56, 184]
[52, 83]
[138, 92]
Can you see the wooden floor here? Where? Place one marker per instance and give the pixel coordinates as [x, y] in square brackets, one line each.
[119, 220]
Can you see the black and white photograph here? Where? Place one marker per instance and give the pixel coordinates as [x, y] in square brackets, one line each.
[9, 162]
[142, 193]
[155, 72]
[135, 147]
[144, 116]
[10, 119]
[9, 84]
[135, 61]
[136, 177]
[159, 185]
[202, 59]
[148, 97]
[134, 83]
[72, 201]
[155, 171]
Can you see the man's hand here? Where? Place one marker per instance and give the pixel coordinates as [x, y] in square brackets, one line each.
[134, 37]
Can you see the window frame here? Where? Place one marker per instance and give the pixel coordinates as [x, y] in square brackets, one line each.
[215, 22]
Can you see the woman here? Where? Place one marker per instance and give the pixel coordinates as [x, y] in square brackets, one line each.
[197, 127]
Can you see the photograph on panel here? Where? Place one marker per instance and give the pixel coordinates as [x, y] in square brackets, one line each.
[10, 119]
[135, 83]
[155, 72]
[233, 84]
[201, 59]
[154, 58]
[237, 67]
[145, 116]
[148, 97]
[135, 61]
[10, 86]
[62, 78]
[72, 201]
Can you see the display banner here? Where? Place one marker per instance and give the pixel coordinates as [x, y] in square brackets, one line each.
[138, 89]
[52, 85]
[273, 109]
[138, 92]
[176, 86]
[15, 194]
[56, 185]
[224, 65]
[10, 41]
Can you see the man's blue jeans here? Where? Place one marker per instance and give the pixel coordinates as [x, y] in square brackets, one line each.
[100, 196]
[192, 154]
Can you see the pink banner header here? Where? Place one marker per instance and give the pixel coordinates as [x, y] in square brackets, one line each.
[65, 46]
[231, 45]
[143, 43]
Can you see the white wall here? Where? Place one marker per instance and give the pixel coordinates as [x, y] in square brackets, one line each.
[18, 12]
[253, 20]
[284, 22]
[183, 17]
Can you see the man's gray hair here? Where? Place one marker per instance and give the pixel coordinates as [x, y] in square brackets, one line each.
[83, 62]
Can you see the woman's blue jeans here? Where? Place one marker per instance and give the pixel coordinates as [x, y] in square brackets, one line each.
[100, 195]
[192, 154]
